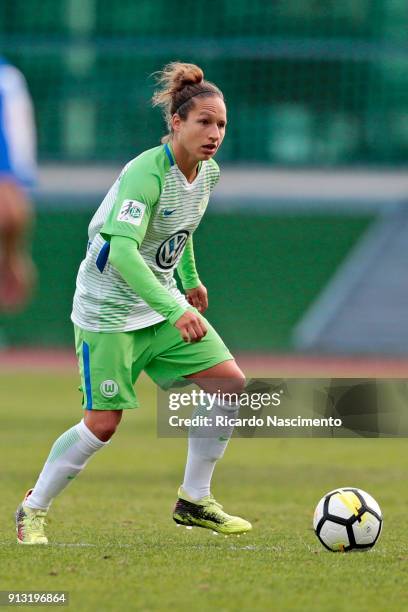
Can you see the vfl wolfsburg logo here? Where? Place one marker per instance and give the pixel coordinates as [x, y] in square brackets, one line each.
[170, 250]
[109, 388]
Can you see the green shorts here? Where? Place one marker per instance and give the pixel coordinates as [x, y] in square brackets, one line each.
[110, 363]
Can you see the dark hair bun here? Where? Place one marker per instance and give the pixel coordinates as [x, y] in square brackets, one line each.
[184, 75]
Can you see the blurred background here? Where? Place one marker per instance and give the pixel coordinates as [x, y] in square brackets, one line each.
[304, 250]
[304, 247]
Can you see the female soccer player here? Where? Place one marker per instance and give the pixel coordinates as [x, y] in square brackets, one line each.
[129, 315]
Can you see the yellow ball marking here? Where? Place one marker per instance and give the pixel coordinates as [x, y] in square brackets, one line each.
[351, 501]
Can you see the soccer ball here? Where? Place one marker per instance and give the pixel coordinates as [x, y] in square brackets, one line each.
[347, 519]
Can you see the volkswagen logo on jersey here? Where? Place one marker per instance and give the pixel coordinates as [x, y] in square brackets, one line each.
[169, 251]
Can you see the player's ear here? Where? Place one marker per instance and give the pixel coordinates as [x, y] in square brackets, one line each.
[175, 122]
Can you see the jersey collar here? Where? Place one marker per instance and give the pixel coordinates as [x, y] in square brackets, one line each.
[170, 154]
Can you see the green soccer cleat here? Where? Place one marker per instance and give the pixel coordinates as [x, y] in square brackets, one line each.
[207, 513]
[30, 524]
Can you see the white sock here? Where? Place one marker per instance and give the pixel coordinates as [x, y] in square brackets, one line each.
[203, 452]
[68, 456]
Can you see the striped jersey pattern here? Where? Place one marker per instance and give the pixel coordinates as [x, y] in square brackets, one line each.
[103, 301]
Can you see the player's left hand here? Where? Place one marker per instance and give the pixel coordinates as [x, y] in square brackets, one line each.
[198, 298]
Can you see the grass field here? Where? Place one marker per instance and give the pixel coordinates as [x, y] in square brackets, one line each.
[115, 547]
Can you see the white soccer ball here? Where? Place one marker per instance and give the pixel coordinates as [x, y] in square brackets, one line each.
[347, 519]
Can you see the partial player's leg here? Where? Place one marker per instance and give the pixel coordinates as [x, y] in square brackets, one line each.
[204, 452]
[68, 457]
[105, 362]
[195, 505]
[17, 271]
[211, 366]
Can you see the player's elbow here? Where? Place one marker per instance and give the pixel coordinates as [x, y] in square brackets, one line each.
[122, 250]
[116, 252]
[113, 254]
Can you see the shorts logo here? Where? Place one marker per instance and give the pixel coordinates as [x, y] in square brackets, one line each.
[171, 249]
[109, 388]
[131, 211]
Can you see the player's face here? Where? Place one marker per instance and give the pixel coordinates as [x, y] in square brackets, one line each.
[202, 133]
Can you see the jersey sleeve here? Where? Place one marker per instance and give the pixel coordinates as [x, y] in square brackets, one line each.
[126, 259]
[186, 268]
[139, 191]
[215, 173]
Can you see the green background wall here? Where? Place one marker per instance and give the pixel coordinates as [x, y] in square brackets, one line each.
[307, 82]
[262, 271]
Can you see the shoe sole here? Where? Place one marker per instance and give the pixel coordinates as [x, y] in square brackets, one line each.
[212, 527]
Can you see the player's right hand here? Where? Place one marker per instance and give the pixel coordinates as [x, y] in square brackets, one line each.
[191, 327]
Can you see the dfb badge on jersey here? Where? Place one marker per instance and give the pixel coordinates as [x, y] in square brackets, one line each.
[131, 211]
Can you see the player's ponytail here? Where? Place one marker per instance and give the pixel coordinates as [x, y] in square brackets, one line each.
[179, 85]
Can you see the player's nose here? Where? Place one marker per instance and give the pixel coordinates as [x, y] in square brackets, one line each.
[214, 134]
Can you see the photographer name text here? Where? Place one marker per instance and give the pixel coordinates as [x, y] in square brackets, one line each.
[253, 421]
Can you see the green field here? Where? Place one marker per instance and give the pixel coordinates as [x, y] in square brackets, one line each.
[115, 547]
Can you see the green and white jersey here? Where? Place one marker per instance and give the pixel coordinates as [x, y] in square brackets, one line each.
[153, 203]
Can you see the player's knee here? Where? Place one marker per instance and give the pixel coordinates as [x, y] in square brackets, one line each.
[103, 426]
[235, 384]
[104, 431]
[239, 383]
